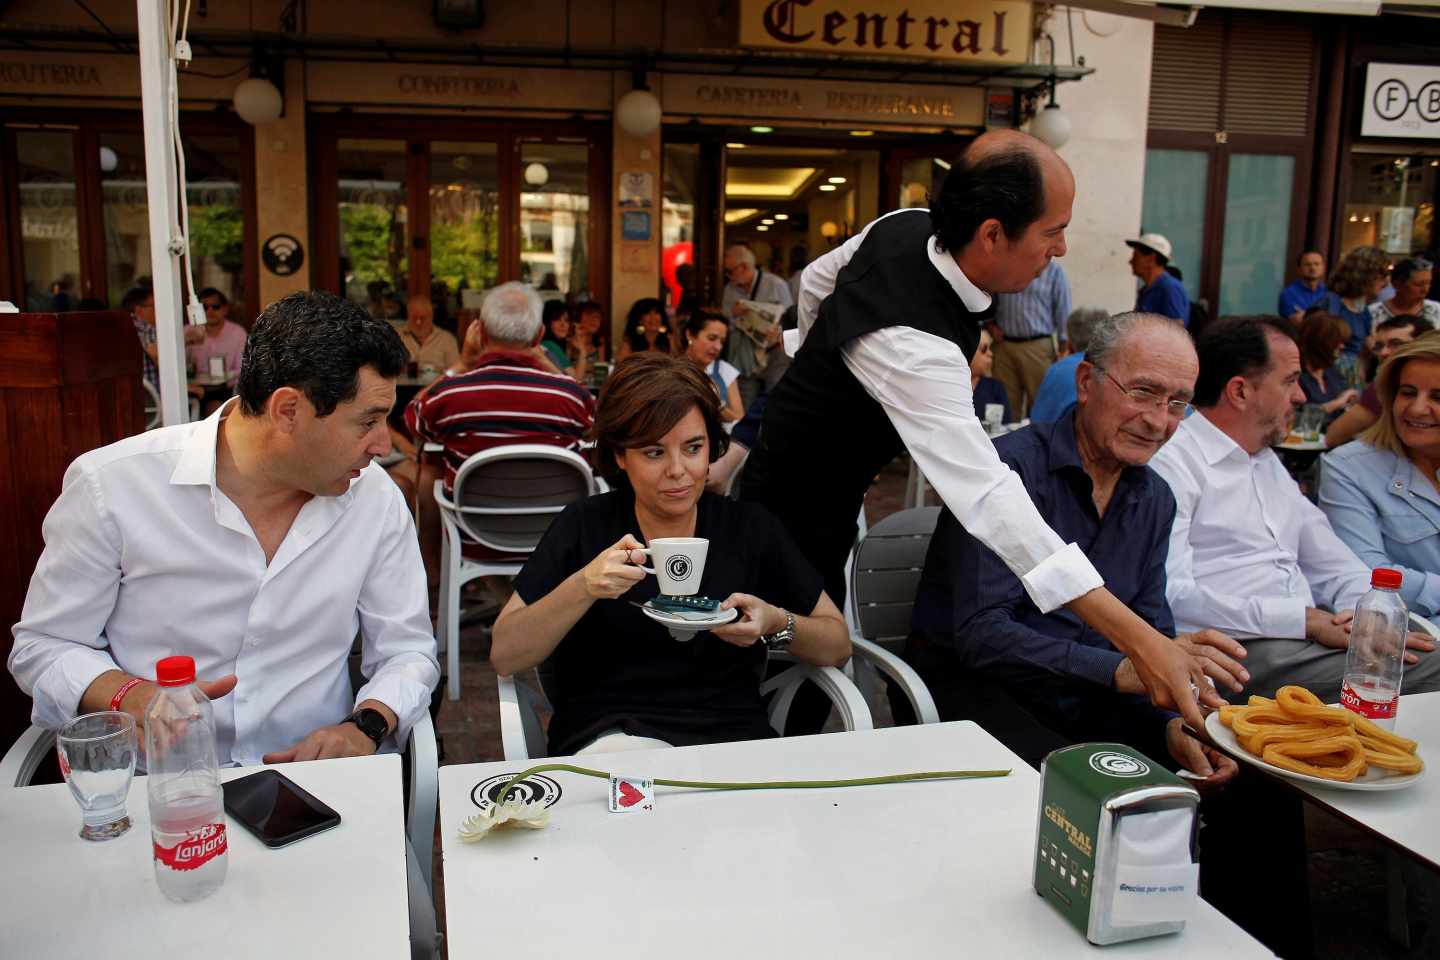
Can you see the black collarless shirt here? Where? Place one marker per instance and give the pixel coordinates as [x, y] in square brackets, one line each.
[618, 669]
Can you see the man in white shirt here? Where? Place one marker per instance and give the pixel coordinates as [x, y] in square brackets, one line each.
[881, 366]
[746, 281]
[257, 541]
[1249, 555]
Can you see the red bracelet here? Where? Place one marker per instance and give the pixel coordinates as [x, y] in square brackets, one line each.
[125, 688]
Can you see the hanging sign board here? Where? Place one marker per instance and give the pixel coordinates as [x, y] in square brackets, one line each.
[1401, 100]
[977, 31]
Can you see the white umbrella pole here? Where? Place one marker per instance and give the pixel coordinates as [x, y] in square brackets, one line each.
[162, 188]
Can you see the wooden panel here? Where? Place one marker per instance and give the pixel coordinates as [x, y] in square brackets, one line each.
[82, 420]
[1268, 76]
[29, 351]
[1185, 76]
[98, 346]
[14, 705]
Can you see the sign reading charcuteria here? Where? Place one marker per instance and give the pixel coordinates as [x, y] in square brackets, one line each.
[981, 31]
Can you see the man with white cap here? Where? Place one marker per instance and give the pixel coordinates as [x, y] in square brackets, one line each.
[1162, 293]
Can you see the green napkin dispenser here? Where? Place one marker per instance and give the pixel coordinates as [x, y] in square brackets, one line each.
[1115, 843]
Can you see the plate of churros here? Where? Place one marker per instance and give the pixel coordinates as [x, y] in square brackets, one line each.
[1298, 736]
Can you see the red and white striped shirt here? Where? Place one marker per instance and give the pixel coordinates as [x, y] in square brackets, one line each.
[507, 398]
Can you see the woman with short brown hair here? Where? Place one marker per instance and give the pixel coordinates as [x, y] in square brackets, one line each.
[616, 678]
[1322, 339]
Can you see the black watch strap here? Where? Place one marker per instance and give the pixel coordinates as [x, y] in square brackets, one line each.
[371, 723]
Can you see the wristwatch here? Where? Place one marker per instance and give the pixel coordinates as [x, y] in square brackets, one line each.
[371, 723]
[782, 639]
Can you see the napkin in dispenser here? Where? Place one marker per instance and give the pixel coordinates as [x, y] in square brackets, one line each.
[1115, 840]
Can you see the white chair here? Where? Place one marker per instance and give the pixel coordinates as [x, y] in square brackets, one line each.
[520, 705]
[1422, 625]
[505, 498]
[884, 573]
[152, 406]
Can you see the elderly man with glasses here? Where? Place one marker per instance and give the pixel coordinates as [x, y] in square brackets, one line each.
[747, 281]
[1038, 681]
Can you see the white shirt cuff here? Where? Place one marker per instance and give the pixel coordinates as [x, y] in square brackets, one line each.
[1061, 577]
[404, 688]
[58, 691]
[1282, 618]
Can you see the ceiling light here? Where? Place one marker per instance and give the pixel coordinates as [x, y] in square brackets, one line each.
[1364, 219]
[1354, 218]
[1435, 163]
[762, 129]
[735, 214]
[638, 113]
[537, 174]
[736, 146]
[782, 216]
[862, 133]
[762, 228]
[768, 220]
[835, 179]
[827, 187]
[829, 229]
[943, 164]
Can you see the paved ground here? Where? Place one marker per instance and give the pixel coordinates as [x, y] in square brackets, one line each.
[1347, 871]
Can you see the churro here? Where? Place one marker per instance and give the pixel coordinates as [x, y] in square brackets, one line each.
[1298, 732]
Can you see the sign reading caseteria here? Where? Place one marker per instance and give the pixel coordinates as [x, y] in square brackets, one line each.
[983, 31]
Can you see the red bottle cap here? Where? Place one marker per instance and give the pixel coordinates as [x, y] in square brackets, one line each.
[1387, 578]
[175, 671]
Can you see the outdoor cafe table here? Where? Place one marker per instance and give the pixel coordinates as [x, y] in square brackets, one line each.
[1406, 818]
[928, 869]
[340, 893]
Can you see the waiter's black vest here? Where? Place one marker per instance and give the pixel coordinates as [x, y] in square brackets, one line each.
[824, 438]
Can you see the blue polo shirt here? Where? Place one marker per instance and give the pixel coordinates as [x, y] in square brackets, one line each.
[1297, 296]
[973, 613]
[1057, 390]
[1167, 297]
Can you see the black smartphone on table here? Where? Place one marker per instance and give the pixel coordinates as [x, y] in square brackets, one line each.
[276, 809]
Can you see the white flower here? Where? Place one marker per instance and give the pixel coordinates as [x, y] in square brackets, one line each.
[514, 812]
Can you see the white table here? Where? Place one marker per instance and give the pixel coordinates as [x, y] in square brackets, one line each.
[1405, 818]
[938, 869]
[340, 893]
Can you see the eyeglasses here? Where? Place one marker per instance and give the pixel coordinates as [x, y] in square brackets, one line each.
[213, 306]
[1177, 409]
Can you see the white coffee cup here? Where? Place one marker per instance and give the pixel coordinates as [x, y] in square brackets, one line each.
[679, 563]
[994, 414]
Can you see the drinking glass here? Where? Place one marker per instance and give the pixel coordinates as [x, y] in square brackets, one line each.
[97, 756]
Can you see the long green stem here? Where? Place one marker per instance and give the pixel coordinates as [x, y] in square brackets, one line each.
[763, 784]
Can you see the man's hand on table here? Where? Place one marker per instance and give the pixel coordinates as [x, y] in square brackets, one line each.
[343, 739]
[1192, 755]
[1172, 678]
[327, 743]
[1219, 654]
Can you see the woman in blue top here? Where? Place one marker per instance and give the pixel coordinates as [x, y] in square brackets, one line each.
[1322, 338]
[556, 318]
[1382, 492]
[1357, 283]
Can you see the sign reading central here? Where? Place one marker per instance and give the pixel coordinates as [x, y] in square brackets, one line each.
[985, 31]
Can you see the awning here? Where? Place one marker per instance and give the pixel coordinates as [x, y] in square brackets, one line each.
[1182, 15]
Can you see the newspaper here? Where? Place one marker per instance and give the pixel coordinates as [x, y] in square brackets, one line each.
[759, 321]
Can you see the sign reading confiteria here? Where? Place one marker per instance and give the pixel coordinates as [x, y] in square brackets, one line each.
[431, 84]
[819, 100]
[1401, 100]
[981, 31]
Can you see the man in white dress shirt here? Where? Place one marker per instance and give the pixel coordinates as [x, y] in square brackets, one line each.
[1249, 555]
[887, 322]
[257, 541]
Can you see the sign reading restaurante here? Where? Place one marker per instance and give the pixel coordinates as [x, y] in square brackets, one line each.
[982, 31]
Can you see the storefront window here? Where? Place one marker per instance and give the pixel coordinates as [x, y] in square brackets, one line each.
[1176, 186]
[1257, 232]
[677, 223]
[920, 179]
[1391, 203]
[372, 223]
[555, 218]
[464, 222]
[49, 235]
[217, 219]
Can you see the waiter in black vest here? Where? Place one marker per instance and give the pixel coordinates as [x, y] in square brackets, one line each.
[887, 325]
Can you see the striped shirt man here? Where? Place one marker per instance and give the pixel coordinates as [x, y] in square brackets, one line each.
[506, 398]
[1039, 310]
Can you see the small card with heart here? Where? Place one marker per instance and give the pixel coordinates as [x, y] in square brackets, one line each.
[631, 794]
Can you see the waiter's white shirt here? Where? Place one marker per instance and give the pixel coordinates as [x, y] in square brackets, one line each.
[1248, 552]
[145, 557]
[923, 382]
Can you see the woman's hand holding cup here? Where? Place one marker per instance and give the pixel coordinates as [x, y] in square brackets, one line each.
[757, 619]
[613, 573]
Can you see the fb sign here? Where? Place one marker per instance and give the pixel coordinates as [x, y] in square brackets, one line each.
[1401, 101]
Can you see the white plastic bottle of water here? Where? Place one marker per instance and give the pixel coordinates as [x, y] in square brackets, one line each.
[187, 815]
[1376, 660]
